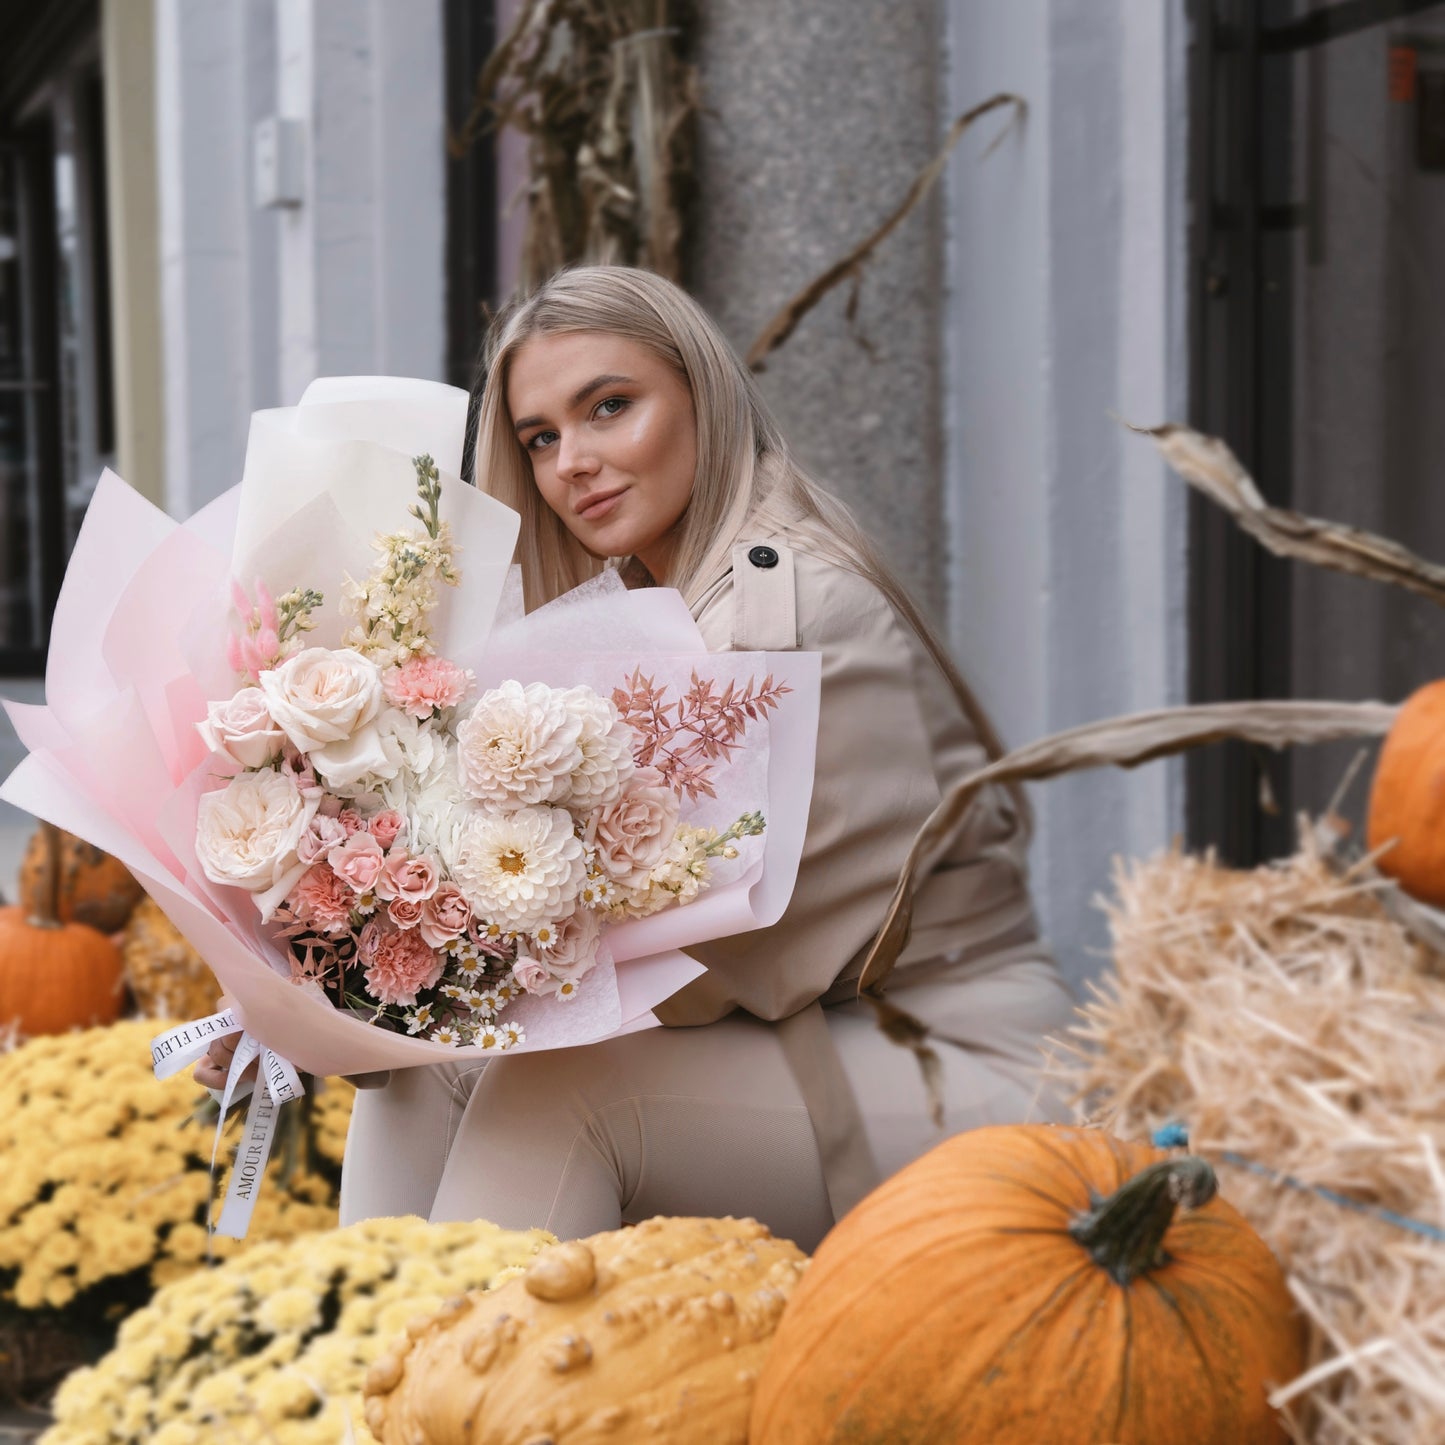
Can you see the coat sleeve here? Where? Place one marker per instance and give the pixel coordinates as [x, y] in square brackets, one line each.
[874, 785]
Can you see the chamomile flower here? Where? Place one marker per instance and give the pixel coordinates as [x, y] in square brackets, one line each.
[544, 936]
[489, 1037]
[512, 1035]
[364, 904]
[447, 1034]
[597, 892]
[419, 1019]
[469, 970]
[453, 991]
[567, 989]
[479, 1001]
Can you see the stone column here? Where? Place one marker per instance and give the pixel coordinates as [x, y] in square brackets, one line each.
[816, 119]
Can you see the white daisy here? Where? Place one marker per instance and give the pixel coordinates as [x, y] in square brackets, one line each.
[488, 1037]
[544, 936]
[567, 989]
[418, 1019]
[519, 869]
[513, 1034]
[453, 990]
[447, 1034]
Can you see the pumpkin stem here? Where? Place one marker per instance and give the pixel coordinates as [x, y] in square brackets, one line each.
[47, 895]
[1125, 1232]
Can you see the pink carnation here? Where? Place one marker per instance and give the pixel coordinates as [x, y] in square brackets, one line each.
[399, 964]
[423, 684]
[387, 826]
[321, 900]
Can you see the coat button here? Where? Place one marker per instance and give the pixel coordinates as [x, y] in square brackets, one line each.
[763, 557]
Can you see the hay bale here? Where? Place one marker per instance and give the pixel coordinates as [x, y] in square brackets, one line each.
[1291, 1024]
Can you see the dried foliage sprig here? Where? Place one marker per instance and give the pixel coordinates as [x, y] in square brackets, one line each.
[607, 102]
[683, 739]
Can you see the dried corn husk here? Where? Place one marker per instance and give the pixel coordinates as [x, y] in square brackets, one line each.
[1288, 1020]
[167, 978]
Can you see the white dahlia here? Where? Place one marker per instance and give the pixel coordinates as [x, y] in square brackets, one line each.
[606, 746]
[519, 870]
[519, 746]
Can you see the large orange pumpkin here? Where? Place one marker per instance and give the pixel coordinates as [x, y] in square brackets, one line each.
[92, 888]
[54, 976]
[1031, 1283]
[1407, 801]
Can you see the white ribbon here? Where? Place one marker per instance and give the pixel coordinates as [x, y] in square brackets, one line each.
[179, 1047]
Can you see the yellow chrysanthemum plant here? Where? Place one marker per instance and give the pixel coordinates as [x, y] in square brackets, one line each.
[273, 1345]
[106, 1187]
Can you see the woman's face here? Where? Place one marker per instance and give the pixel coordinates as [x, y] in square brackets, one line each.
[609, 428]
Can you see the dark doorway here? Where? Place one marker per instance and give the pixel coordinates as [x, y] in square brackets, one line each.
[1318, 341]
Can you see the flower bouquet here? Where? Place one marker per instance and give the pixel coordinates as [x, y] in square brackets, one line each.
[399, 818]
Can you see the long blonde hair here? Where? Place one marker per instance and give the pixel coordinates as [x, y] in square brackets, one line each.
[746, 479]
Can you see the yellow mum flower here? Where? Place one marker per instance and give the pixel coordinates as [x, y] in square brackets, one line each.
[215, 1356]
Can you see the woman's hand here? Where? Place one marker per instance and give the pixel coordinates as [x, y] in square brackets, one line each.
[214, 1066]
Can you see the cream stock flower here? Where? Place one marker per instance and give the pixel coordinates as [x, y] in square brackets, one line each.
[247, 834]
[519, 746]
[520, 869]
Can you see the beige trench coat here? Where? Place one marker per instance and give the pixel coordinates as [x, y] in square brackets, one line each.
[893, 735]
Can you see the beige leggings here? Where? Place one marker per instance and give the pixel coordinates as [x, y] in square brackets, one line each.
[704, 1121]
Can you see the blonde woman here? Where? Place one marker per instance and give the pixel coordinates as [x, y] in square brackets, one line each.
[618, 422]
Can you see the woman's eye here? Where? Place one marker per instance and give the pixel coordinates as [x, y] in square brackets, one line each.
[611, 405]
[541, 439]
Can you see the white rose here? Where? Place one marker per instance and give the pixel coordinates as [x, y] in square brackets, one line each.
[323, 696]
[247, 834]
[242, 729]
[518, 746]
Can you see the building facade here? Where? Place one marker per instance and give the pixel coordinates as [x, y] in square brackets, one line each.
[1204, 209]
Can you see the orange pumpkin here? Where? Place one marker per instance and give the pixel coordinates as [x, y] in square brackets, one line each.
[55, 976]
[1028, 1283]
[1407, 801]
[93, 887]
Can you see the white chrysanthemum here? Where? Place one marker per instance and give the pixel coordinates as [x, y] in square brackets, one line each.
[518, 869]
[606, 746]
[519, 746]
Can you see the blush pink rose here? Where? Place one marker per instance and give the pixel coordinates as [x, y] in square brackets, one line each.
[632, 835]
[531, 975]
[359, 860]
[407, 876]
[387, 826]
[421, 685]
[399, 964]
[445, 915]
[404, 912]
[352, 821]
[322, 900]
[574, 954]
[242, 729]
[320, 838]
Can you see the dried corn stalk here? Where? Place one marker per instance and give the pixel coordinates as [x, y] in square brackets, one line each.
[607, 103]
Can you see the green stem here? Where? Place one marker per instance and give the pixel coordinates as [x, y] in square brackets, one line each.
[1125, 1232]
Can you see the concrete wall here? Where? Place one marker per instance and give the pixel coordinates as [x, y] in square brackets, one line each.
[815, 121]
[350, 281]
[1065, 281]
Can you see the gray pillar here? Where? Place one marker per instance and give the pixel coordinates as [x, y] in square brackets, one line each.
[816, 119]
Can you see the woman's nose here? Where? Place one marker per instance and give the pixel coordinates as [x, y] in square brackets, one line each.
[574, 459]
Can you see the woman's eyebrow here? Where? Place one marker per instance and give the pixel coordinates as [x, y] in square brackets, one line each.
[578, 397]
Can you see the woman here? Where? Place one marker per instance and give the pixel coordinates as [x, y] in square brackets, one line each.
[618, 422]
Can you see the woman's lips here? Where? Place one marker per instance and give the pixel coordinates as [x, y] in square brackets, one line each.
[595, 510]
